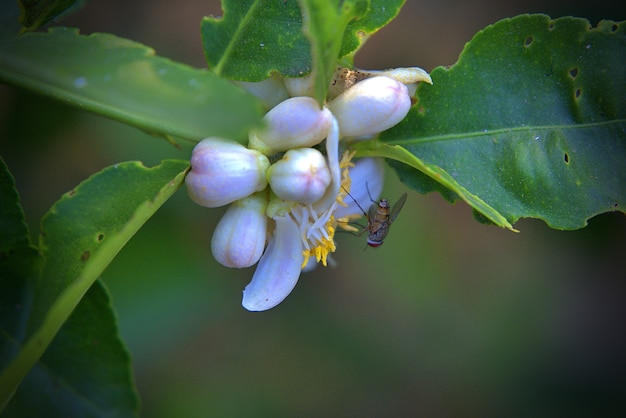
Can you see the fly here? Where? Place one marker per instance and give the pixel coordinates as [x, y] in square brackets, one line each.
[380, 216]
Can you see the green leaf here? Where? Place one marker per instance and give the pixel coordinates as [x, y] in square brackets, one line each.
[400, 154]
[379, 14]
[256, 38]
[84, 230]
[36, 13]
[325, 23]
[20, 265]
[69, 380]
[85, 371]
[13, 229]
[124, 80]
[531, 119]
[80, 236]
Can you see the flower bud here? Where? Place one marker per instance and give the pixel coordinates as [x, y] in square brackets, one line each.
[239, 238]
[223, 171]
[302, 175]
[370, 106]
[296, 122]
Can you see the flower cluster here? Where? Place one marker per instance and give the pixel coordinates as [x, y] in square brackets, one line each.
[289, 226]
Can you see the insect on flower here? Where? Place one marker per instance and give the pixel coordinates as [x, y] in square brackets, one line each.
[380, 216]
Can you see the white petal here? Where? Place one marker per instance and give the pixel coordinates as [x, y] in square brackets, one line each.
[279, 268]
[302, 86]
[332, 154]
[367, 177]
[310, 265]
[271, 90]
[406, 75]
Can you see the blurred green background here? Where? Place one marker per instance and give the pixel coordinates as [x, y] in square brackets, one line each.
[450, 318]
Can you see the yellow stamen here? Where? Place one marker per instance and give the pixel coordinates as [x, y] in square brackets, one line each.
[325, 244]
[345, 223]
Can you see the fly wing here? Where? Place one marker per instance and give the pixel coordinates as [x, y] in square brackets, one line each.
[372, 211]
[393, 214]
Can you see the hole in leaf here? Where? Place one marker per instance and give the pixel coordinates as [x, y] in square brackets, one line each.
[566, 158]
[528, 41]
[573, 73]
[615, 27]
[577, 93]
[100, 237]
[551, 26]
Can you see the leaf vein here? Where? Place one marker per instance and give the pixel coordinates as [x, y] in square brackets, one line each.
[491, 133]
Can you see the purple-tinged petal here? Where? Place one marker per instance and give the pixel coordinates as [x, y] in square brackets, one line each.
[223, 171]
[239, 238]
[279, 269]
[366, 186]
[294, 123]
[370, 106]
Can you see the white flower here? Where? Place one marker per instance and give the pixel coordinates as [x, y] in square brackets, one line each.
[240, 235]
[304, 231]
[294, 123]
[304, 234]
[301, 231]
[223, 171]
[312, 194]
[371, 106]
[301, 175]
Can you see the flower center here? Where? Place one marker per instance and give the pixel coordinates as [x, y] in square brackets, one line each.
[317, 230]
